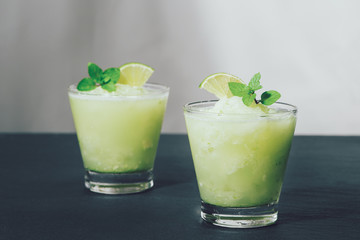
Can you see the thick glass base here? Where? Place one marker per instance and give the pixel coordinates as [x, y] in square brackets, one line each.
[251, 217]
[118, 183]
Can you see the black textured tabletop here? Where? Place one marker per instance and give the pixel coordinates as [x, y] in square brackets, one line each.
[42, 194]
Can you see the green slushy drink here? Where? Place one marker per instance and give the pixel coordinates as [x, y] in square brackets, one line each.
[240, 154]
[240, 160]
[118, 133]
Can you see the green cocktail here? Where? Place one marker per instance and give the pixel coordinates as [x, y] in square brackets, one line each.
[240, 154]
[118, 133]
[240, 160]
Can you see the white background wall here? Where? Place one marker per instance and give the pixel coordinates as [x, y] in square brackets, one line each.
[307, 50]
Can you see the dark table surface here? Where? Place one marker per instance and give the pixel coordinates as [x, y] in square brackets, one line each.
[42, 194]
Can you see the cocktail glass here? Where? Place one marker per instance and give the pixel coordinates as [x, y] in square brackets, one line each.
[118, 137]
[240, 161]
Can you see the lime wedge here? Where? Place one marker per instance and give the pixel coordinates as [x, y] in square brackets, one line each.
[218, 84]
[135, 74]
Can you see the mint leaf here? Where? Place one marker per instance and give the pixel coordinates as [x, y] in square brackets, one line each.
[95, 72]
[238, 89]
[248, 99]
[86, 84]
[110, 86]
[270, 97]
[254, 83]
[113, 74]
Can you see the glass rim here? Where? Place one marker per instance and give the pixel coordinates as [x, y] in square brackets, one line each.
[189, 108]
[160, 90]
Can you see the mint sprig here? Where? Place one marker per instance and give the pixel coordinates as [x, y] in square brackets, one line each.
[247, 92]
[106, 79]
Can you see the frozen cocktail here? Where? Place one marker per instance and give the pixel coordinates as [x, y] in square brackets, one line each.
[118, 132]
[240, 153]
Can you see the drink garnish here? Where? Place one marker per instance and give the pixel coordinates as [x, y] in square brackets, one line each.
[247, 92]
[225, 85]
[97, 77]
[217, 84]
[132, 74]
[135, 74]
